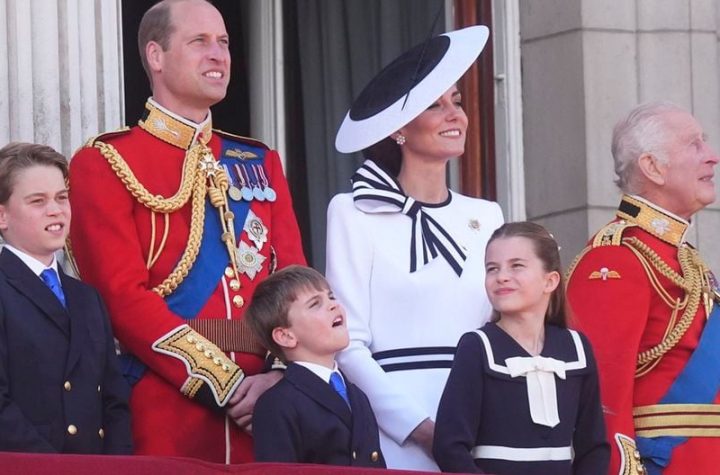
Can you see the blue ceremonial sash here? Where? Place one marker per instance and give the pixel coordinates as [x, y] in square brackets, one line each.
[194, 291]
[698, 383]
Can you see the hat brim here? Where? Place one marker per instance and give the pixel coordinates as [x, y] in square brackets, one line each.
[464, 48]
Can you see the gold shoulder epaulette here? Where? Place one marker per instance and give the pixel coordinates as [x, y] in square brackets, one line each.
[107, 135]
[239, 138]
[611, 234]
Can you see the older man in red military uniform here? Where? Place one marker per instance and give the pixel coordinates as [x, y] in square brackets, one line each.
[649, 304]
[176, 223]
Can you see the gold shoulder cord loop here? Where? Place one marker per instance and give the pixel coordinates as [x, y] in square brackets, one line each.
[691, 281]
[201, 175]
[156, 203]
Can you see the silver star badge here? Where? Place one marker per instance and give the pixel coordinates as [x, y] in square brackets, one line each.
[208, 164]
[249, 259]
[256, 230]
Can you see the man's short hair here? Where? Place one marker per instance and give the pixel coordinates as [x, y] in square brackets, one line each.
[272, 299]
[156, 25]
[17, 156]
[643, 130]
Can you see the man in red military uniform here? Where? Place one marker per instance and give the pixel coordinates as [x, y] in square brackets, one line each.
[649, 304]
[176, 223]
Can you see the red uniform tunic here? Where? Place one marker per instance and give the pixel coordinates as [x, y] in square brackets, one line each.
[623, 298]
[113, 235]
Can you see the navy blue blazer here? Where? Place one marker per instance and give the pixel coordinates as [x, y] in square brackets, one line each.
[482, 405]
[60, 385]
[303, 420]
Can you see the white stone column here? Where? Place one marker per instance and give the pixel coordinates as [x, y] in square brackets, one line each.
[60, 71]
[585, 65]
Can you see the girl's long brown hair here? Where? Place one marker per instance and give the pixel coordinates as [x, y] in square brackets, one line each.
[546, 249]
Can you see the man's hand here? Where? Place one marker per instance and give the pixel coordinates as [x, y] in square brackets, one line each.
[242, 404]
[423, 435]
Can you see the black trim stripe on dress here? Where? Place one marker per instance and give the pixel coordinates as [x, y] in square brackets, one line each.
[415, 358]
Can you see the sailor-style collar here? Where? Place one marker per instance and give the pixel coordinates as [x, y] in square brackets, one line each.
[657, 221]
[540, 373]
[172, 128]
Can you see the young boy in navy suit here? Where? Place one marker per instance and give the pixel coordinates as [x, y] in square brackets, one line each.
[313, 415]
[60, 386]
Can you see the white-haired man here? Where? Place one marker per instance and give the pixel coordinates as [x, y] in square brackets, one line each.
[648, 302]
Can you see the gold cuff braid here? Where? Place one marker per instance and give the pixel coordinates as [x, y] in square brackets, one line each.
[191, 387]
[630, 462]
[203, 360]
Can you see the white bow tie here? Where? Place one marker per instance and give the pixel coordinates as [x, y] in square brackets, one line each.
[539, 372]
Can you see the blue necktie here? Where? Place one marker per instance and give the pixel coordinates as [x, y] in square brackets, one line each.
[50, 277]
[338, 385]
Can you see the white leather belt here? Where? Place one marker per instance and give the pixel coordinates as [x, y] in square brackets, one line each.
[516, 454]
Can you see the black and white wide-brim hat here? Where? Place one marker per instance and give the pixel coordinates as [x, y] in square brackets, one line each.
[425, 72]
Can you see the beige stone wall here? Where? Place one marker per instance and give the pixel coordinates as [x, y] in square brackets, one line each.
[585, 63]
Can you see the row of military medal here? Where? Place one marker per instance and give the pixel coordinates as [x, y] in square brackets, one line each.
[248, 181]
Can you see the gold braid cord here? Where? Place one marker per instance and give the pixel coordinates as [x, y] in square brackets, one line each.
[156, 203]
[201, 176]
[171, 282]
[691, 281]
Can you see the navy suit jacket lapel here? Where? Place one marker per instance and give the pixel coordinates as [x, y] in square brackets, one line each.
[20, 277]
[76, 307]
[320, 391]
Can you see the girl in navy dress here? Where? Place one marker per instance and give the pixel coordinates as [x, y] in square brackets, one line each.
[522, 396]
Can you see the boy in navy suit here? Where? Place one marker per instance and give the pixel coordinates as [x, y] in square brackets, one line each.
[313, 415]
[60, 386]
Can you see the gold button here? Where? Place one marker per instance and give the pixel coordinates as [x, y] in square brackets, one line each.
[229, 272]
[354, 455]
[72, 430]
[374, 456]
[238, 301]
[67, 386]
[235, 285]
[636, 454]
[101, 433]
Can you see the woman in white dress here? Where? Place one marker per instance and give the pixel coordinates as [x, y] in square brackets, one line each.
[405, 254]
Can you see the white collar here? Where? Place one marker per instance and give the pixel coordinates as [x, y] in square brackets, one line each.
[322, 372]
[35, 265]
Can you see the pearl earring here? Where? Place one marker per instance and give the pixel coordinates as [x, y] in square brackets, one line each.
[400, 139]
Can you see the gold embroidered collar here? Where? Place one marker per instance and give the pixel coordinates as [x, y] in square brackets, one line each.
[653, 219]
[173, 129]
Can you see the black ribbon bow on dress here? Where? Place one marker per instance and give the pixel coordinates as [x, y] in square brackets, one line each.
[374, 191]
